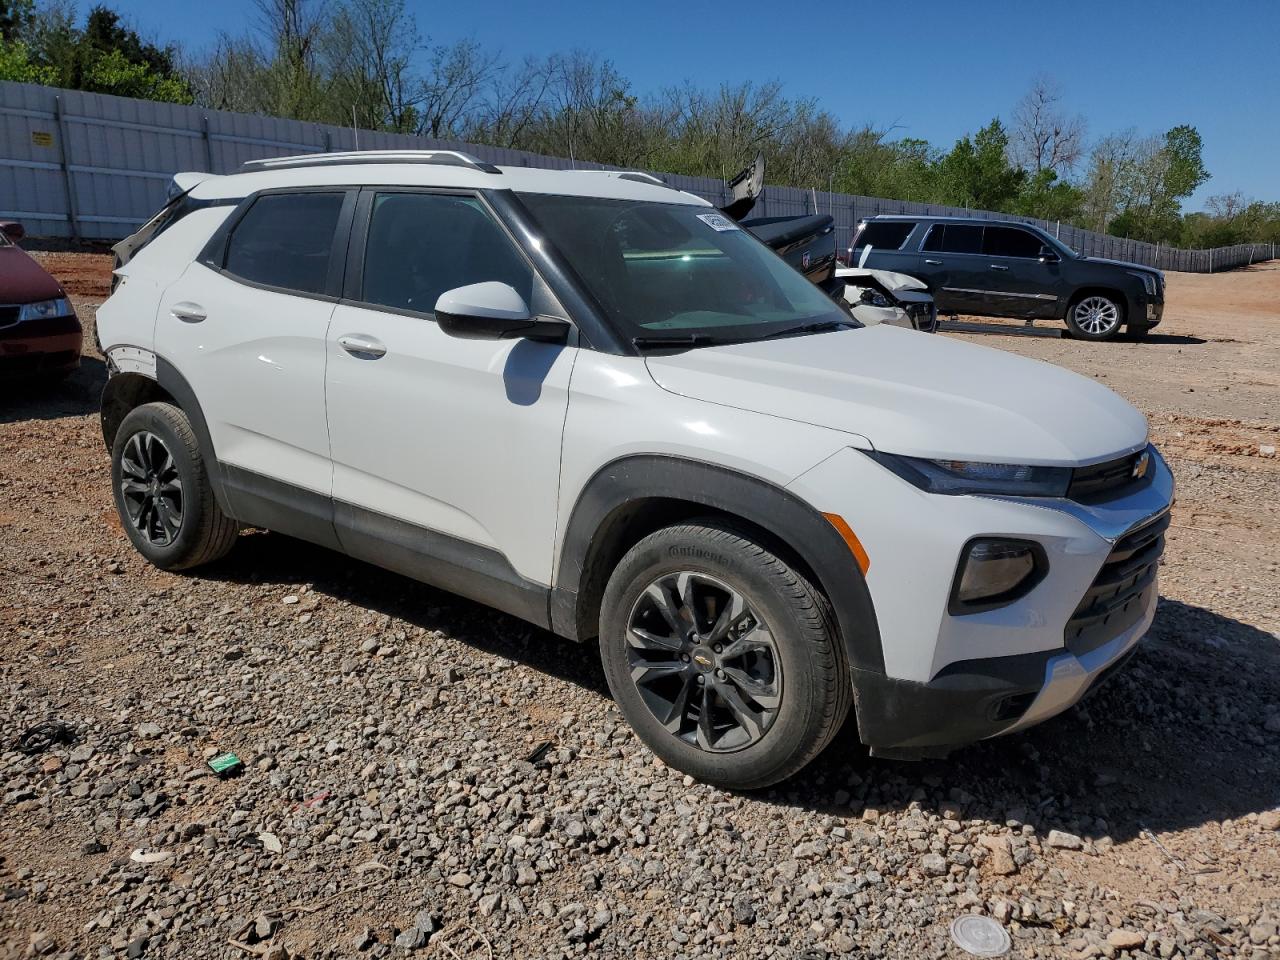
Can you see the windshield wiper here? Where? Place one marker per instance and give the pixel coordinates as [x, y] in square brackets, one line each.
[679, 340]
[820, 327]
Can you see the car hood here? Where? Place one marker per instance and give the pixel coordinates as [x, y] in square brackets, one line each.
[915, 395]
[1140, 267]
[890, 280]
[22, 280]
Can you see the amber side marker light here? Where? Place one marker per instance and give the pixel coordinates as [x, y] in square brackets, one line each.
[850, 540]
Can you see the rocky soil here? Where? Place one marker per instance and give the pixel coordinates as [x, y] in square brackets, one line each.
[425, 778]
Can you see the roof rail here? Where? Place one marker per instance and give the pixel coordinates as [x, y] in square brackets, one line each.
[638, 176]
[448, 158]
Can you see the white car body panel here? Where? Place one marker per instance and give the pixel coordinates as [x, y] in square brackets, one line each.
[928, 397]
[616, 410]
[889, 279]
[257, 364]
[458, 436]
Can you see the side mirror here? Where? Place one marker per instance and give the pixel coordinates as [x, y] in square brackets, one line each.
[1048, 254]
[13, 230]
[494, 311]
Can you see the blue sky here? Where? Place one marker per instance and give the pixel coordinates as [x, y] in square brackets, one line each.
[935, 70]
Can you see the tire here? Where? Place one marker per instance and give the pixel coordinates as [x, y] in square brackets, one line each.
[162, 490]
[1095, 316]
[787, 674]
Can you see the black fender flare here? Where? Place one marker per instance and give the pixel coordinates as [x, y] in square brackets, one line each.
[170, 381]
[621, 484]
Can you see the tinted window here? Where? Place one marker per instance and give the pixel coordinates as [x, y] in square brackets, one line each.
[421, 245]
[285, 240]
[890, 235]
[954, 238]
[1010, 242]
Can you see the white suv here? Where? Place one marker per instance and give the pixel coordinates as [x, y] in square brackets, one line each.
[598, 404]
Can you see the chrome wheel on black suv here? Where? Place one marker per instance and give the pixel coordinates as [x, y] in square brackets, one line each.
[162, 490]
[722, 656]
[1095, 317]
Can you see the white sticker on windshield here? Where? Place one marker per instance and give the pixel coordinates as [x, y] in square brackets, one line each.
[717, 222]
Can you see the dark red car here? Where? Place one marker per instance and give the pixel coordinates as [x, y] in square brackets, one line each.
[40, 334]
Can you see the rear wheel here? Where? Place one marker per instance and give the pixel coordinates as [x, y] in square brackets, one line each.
[162, 490]
[722, 656]
[1095, 316]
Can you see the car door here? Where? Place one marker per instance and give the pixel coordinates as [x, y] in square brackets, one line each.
[446, 451]
[883, 245]
[950, 263]
[1022, 284]
[245, 326]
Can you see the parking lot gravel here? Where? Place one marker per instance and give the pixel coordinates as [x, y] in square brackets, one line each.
[424, 777]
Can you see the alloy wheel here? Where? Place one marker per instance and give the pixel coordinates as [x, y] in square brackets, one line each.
[151, 488]
[1096, 316]
[704, 662]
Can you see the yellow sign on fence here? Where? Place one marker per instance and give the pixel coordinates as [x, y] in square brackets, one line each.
[42, 138]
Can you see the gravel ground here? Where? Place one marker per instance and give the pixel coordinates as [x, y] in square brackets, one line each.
[423, 777]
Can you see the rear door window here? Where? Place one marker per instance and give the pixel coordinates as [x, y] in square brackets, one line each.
[954, 238]
[884, 235]
[1010, 242]
[285, 240]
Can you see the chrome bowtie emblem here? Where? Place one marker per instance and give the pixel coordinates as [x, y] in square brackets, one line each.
[1140, 465]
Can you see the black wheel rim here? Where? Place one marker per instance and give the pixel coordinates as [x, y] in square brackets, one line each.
[151, 489]
[704, 662]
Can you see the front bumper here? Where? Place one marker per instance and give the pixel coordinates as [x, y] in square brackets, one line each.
[978, 699]
[950, 680]
[1151, 311]
[40, 347]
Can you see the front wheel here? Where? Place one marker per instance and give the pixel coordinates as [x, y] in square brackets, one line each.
[722, 656]
[1095, 317]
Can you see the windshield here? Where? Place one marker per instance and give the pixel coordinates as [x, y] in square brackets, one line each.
[678, 270]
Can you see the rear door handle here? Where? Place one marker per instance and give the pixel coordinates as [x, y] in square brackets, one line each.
[934, 263]
[996, 266]
[362, 347]
[188, 312]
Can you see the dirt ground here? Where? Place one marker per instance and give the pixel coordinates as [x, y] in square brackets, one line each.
[387, 730]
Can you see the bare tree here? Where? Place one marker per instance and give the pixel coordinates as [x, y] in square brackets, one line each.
[458, 75]
[1043, 136]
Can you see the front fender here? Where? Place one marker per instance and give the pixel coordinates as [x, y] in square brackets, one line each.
[628, 481]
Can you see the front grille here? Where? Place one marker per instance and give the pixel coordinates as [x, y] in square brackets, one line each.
[1122, 590]
[923, 315]
[1104, 481]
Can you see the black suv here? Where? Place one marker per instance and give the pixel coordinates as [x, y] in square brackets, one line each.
[1001, 268]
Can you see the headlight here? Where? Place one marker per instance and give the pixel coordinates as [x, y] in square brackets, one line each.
[994, 572]
[43, 309]
[1148, 282]
[962, 476]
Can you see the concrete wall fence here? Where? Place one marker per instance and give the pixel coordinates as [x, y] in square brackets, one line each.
[94, 167]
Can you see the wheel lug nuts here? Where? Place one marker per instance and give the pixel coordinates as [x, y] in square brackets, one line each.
[719, 673]
[684, 657]
[717, 648]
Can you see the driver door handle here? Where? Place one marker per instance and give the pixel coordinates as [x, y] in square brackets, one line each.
[361, 346]
[933, 263]
[996, 266]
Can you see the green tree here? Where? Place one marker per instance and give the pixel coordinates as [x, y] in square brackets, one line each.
[977, 173]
